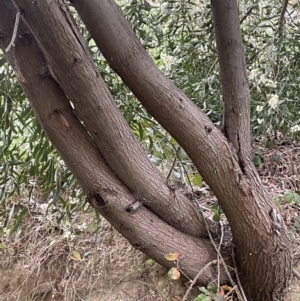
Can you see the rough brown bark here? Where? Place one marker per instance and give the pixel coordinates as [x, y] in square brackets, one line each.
[262, 244]
[261, 241]
[71, 65]
[236, 127]
[143, 229]
[235, 89]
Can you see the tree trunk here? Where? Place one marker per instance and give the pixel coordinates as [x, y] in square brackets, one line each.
[145, 230]
[71, 65]
[235, 88]
[261, 241]
[236, 127]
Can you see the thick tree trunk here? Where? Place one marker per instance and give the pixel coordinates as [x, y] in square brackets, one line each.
[261, 240]
[236, 127]
[71, 65]
[108, 195]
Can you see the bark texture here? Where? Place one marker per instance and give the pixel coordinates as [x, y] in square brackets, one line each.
[235, 88]
[236, 127]
[261, 241]
[260, 237]
[145, 230]
[72, 67]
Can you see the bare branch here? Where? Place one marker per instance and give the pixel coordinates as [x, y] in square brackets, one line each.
[247, 13]
[296, 274]
[235, 89]
[283, 11]
[196, 278]
[12, 42]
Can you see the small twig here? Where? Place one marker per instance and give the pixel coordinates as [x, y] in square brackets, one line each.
[230, 292]
[296, 274]
[247, 14]
[281, 19]
[257, 53]
[280, 32]
[183, 167]
[196, 278]
[219, 249]
[208, 230]
[13, 39]
[182, 272]
[173, 164]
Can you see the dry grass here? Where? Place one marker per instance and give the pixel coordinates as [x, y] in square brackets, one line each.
[80, 259]
[46, 261]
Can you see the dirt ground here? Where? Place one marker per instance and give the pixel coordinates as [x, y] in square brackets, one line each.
[111, 272]
[88, 261]
[39, 264]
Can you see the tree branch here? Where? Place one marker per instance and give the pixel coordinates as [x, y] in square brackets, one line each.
[282, 14]
[235, 89]
[108, 195]
[247, 13]
[241, 195]
[100, 114]
[12, 42]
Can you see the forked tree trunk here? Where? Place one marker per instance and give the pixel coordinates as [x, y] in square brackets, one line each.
[260, 238]
[144, 230]
[261, 241]
[71, 65]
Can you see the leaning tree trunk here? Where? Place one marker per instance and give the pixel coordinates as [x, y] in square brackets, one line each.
[260, 237]
[261, 241]
[71, 65]
[144, 230]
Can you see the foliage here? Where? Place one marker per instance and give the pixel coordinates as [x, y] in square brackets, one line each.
[179, 36]
[296, 225]
[181, 41]
[208, 294]
[288, 197]
[273, 62]
[174, 273]
[28, 162]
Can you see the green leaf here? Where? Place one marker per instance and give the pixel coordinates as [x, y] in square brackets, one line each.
[149, 262]
[276, 158]
[288, 196]
[172, 256]
[297, 199]
[257, 161]
[277, 201]
[217, 217]
[212, 287]
[269, 143]
[205, 290]
[150, 142]
[18, 221]
[141, 132]
[174, 274]
[202, 297]
[12, 211]
[197, 180]
[173, 141]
